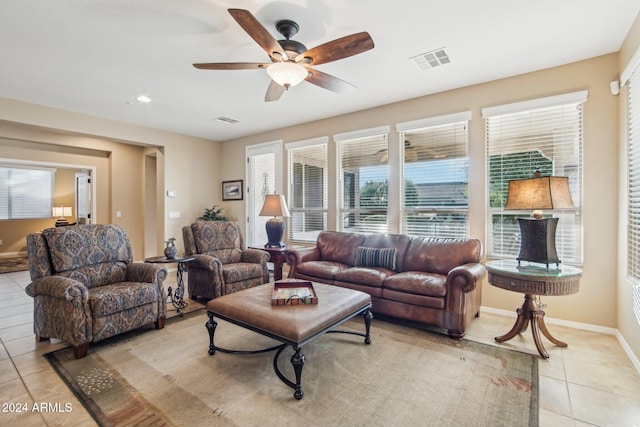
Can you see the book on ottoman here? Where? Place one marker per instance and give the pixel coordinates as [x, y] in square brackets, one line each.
[293, 292]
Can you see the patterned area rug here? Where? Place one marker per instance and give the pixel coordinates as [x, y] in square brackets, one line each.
[406, 377]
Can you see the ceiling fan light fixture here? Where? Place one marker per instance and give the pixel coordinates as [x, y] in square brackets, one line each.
[287, 74]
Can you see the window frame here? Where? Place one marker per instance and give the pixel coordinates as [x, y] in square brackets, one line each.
[569, 232]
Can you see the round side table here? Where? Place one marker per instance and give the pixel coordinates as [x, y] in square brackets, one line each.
[533, 280]
[177, 297]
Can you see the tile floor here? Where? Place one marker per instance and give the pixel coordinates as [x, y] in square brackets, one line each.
[592, 382]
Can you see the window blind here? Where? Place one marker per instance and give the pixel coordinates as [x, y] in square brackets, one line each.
[26, 193]
[307, 191]
[545, 139]
[633, 181]
[436, 181]
[364, 178]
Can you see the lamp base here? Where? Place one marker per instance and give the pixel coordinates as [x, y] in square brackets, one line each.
[538, 240]
[61, 222]
[275, 231]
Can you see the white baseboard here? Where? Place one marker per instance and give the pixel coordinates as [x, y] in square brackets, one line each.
[577, 325]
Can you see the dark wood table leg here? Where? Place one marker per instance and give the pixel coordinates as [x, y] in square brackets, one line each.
[530, 313]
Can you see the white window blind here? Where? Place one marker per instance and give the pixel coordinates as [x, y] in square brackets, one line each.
[307, 190]
[364, 179]
[436, 181]
[520, 142]
[633, 176]
[25, 192]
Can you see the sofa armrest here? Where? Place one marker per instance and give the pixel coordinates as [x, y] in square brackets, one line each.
[58, 287]
[298, 256]
[146, 272]
[466, 277]
[255, 256]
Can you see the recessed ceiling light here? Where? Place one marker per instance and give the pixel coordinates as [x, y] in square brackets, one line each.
[143, 98]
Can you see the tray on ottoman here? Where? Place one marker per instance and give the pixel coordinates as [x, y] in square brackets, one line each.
[293, 292]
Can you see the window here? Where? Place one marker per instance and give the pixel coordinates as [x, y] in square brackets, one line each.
[632, 79]
[307, 189]
[436, 176]
[542, 135]
[25, 192]
[364, 180]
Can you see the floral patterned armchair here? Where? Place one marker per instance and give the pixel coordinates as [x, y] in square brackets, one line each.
[222, 264]
[86, 288]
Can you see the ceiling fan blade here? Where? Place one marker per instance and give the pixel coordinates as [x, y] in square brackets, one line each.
[337, 49]
[230, 66]
[274, 92]
[258, 33]
[329, 82]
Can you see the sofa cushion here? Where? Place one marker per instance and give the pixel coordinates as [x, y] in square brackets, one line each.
[321, 269]
[74, 247]
[98, 274]
[369, 276]
[440, 255]
[376, 257]
[418, 283]
[109, 299]
[339, 247]
[216, 235]
[398, 241]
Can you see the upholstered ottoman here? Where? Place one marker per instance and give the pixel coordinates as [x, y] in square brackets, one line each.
[292, 325]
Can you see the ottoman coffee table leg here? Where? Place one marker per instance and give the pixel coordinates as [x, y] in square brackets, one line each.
[367, 326]
[297, 360]
[211, 327]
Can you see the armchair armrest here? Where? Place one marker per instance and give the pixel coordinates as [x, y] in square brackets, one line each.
[465, 277]
[298, 256]
[58, 287]
[256, 256]
[145, 272]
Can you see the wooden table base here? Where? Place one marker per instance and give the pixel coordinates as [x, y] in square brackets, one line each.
[530, 312]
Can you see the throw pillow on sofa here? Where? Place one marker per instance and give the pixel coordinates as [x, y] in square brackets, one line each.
[376, 257]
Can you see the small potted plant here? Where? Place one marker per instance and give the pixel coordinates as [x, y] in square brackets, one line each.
[213, 214]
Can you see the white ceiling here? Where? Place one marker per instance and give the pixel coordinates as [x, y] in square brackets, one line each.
[97, 56]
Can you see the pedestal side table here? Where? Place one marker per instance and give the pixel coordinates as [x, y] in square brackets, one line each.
[177, 297]
[277, 256]
[533, 280]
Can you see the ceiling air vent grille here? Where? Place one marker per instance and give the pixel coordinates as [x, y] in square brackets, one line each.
[227, 120]
[431, 59]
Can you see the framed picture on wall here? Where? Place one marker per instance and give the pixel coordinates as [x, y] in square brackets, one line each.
[232, 190]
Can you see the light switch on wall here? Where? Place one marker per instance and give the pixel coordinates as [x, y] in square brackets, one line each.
[174, 214]
[171, 193]
[118, 214]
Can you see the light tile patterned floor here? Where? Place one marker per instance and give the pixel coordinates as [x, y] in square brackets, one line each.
[592, 382]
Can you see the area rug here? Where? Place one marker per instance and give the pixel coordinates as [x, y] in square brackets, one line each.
[405, 377]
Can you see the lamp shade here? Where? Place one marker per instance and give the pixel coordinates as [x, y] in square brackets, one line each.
[548, 192]
[61, 211]
[275, 205]
[287, 74]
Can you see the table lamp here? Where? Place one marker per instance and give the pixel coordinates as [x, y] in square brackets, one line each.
[538, 234]
[275, 206]
[61, 212]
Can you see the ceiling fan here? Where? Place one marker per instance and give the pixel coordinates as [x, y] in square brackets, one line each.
[290, 60]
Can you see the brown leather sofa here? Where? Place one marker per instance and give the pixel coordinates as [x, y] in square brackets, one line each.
[432, 281]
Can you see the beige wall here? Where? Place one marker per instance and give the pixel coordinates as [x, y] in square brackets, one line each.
[118, 152]
[627, 323]
[596, 302]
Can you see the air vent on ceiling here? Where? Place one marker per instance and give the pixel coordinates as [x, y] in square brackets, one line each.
[227, 120]
[431, 59]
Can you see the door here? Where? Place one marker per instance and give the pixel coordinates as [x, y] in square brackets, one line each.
[84, 199]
